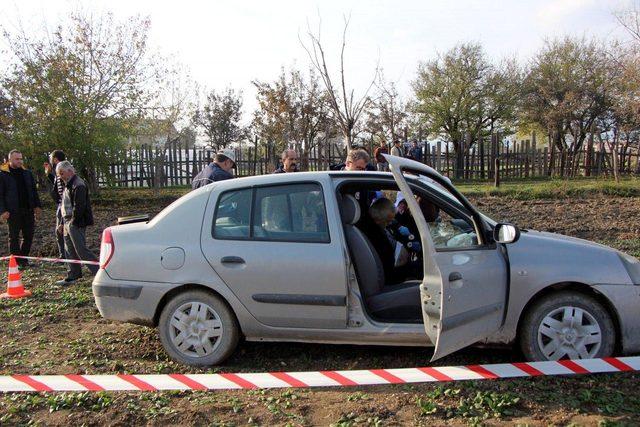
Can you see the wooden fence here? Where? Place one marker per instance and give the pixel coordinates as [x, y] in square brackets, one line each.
[174, 165]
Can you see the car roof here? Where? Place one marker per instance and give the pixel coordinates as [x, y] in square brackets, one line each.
[278, 178]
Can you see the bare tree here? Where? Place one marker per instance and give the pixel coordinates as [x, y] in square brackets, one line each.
[388, 113]
[345, 106]
[630, 19]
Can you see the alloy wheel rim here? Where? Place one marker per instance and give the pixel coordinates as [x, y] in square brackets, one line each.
[195, 329]
[569, 333]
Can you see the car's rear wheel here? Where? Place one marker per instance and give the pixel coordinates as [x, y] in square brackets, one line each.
[567, 325]
[197, 328]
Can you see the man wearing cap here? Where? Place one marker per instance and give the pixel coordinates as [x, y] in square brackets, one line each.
[218, 170]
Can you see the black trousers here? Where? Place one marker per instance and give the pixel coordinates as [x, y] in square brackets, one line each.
[23, 222]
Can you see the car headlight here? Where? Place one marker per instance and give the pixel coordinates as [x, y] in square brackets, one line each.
[632, 264]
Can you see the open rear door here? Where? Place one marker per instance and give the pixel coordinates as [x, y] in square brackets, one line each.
[463, 293]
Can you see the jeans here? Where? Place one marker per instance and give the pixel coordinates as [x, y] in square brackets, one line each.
[76, 247]
[23, 222]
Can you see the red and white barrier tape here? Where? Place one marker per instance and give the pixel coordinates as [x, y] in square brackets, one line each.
[62, 260]
[122, 382]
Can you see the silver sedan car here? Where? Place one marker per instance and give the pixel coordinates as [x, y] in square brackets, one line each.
[289, 257]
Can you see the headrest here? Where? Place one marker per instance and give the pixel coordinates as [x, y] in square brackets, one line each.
[350, 209]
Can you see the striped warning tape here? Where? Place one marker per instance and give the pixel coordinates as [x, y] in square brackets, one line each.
[62, 260]
[122, 382]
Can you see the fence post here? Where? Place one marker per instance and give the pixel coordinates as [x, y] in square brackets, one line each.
[481, 155]
[527, 160]
[467, 153]
[446, 153]
[496, 174]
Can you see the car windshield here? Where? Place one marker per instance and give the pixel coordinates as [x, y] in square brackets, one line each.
[443, 191]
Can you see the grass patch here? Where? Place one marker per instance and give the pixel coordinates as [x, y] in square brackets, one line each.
[521, 189]
[554, 188]
[630, 246]
[138, 196]
[24, 404]
[46, 302]
[474, 408]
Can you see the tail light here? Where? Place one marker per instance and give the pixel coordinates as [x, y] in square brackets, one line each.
[107, 248]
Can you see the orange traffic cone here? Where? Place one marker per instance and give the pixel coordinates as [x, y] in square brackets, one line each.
[14, 282]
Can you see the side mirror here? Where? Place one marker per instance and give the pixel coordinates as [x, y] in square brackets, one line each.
[506, 233]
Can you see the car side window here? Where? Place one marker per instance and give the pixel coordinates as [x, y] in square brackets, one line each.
[294, 213]
[233, 215]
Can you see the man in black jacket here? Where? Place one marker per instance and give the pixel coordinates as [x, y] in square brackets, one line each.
[19, 204]
[56, 189]
[77, 215]
[289, 162]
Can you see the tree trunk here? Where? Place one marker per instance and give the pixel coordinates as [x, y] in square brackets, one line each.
[459, 164]
[304, 156]
[614, 156]
[588, 160]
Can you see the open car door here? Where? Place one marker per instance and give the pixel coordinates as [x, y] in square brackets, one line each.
[464, 291]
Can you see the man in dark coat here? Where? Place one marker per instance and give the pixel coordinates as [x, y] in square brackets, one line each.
[77, 216]
[218, 170]
[374, 225]
[357, 161]
[19, 204]
[289, 162]
[415, 152]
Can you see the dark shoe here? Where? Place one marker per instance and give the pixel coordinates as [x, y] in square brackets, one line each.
[67, 281]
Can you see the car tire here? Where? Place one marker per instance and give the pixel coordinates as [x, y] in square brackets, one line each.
[567, 325]
[198, 328]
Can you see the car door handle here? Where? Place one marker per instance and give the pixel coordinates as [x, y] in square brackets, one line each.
[232, 260]
[453, 276]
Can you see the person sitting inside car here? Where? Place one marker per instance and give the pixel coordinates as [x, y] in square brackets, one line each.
[403, 215]
[380, 215]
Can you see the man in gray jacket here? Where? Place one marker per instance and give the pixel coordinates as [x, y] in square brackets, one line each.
[77, 215]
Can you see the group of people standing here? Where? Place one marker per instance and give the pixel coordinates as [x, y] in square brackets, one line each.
[20, 207]
[221, 168]
[397, 149]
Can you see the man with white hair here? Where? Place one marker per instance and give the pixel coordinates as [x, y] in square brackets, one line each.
[77, 215]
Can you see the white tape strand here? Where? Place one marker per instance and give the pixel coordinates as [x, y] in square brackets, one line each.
[61, 260]
[266, 380]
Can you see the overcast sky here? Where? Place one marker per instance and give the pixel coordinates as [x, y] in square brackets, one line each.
[231, 43]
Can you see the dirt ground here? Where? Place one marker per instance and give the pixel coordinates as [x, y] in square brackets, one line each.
[60, 331]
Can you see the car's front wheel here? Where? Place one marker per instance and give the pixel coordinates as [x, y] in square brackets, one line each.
[197, 328]
[567, 325]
